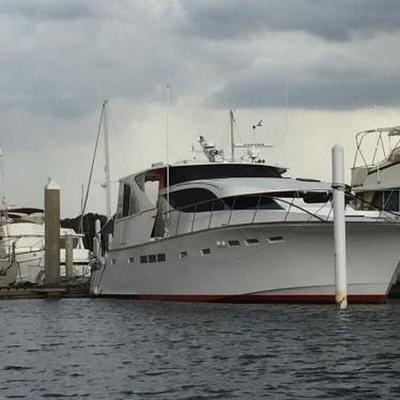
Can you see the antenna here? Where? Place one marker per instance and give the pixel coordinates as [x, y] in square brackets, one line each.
[232, 120]
[168, 95]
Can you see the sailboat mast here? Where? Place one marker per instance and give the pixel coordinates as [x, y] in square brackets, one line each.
[232, 135]
[107, 159]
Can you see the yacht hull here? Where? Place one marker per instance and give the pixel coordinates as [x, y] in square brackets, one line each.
[278, 262]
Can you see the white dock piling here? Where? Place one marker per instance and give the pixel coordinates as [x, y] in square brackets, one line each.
[69, 256]
[52, 233]
[97, 239]
[339, 225]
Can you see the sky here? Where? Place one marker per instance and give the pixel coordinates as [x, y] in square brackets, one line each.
[316, 72]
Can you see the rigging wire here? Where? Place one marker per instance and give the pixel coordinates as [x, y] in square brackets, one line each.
[92, 167]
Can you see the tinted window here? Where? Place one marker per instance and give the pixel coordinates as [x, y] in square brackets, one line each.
[126, 200]
[391, 200]
[195, 200]
[251, 202]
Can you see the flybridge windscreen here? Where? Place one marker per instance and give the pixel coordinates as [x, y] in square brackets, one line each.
[178, 174]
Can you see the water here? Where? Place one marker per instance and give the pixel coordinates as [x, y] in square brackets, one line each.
[121, 349]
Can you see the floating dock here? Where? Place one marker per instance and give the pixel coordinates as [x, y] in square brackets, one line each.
[44, 292]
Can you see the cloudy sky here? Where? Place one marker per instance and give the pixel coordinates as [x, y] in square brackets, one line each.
[315, 72]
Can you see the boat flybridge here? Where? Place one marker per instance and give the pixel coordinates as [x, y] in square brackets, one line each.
[376, 169]
[231, 230]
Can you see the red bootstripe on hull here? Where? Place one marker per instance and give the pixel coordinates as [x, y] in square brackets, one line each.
[295, 298]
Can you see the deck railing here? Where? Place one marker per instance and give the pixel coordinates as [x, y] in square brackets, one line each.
[217, 213]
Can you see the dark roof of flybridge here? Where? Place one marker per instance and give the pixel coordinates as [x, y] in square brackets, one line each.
[189, 171]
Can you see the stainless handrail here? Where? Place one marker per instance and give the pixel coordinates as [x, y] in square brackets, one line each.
[195, 207]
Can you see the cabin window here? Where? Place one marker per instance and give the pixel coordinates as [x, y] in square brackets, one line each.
[152, 258]
[195, 200]
[126, 200]
[131, 260]
[143, 259]
[391, 200]
[233, 243]
[316, 197]
[251, 202]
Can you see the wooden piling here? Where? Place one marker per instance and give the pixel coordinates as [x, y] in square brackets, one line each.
[52, 233]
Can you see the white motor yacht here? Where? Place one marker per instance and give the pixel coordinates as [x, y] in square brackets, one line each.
[239, 231]
[22, 241]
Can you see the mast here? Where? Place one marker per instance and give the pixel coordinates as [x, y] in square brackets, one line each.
[107, 159]
[232, 119]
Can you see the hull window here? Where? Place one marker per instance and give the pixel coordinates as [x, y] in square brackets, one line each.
[143, 259]
[183, 254]
[252, 241]
[152, 258]
[161, 257]
[131, 260]
[205, 252]
[276, 239]
[233, 243]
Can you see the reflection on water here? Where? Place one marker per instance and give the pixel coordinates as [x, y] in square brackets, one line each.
[120, 349]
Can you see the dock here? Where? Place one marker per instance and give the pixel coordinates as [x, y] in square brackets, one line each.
[43, 292]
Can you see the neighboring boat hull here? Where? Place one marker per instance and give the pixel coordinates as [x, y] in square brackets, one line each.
[291, 262]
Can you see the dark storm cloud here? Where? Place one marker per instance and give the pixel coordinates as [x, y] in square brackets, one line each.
[61, 57]
[332, 20]
[47, 9]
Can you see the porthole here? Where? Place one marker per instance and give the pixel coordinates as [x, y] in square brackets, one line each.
[183, 254]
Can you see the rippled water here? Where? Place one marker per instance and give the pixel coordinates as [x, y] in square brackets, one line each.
[120, 349]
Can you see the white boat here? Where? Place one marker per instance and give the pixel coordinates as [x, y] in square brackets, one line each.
[239, 231]
[376, 169]
[22, 240]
